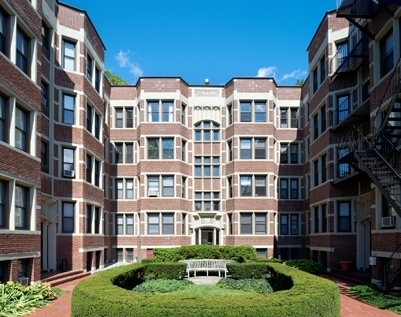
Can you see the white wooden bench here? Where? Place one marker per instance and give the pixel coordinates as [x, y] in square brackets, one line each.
[206, 265]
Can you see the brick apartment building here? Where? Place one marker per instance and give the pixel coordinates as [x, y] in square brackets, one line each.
[92, 174]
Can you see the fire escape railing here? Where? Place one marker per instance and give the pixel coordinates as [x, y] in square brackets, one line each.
[356, 99]
[390, 92]
[394, 270]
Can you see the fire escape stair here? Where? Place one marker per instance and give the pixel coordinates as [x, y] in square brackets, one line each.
[382, 174]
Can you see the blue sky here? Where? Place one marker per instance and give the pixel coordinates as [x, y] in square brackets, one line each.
[215, 39]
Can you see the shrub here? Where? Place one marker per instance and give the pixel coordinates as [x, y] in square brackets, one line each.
[309, 296]
[269, 260]
[250, 285]
[147, 261]
[202, 251]
[306, 265]
[240, 271]
[168, 271]
[162, 286]
[18, 300]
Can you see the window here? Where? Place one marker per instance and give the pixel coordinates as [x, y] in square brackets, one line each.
[46, 41]
[207, 201]
[97, 79]
[167, 186]
[387, 53]
[3, 270]
[342, 52]
[253, 185]
[68, 109]
[119, 255]
[184, 187]
[44, 156]
[129, 255]
[289, 118]
[254, 148]
[68, 218]
[165, 151]
[89, 67]
[22, 51]
[68, 162]
[343, 107]
[324, 218]
[129, 153]
[123, 150]
[315, 126]
[165, 219]
[124, 224]
[97, 220]
[344, 216]
[3, 204]
[288, 188]
[124, 117]
[3, 118]
[124, 185]
[207, 131]
[184, 224]
[230, 150]
[253, 223]
[316, 172]
[289, 224]
[21, 207]
[45, 98]
[323, 118]
[252, 111]
[89, 118]
[316, 219]
[68, 55]
[230, 187]
[206, 166]
[163, 110]
[183, 114]
[183, 150]
[293, 157]
[88, 219]
[323, 164]
[89, 168]
[343, 169]
[97, 172]
[315, 80]
[3, 31]
[21, 129]
[230, 114]
[322, 64]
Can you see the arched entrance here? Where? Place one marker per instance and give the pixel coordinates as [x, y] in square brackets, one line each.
[207, 229]
[207, 235]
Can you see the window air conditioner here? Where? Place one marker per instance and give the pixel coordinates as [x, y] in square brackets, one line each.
[153, 193]
[294, 231]
[44, 101]
[23, 280]
[388, 221]
[69, 173]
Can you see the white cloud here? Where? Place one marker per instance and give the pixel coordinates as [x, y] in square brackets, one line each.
[124, 61]
[295, 74]
[267, 71]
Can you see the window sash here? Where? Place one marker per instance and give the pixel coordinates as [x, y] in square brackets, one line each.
[246, 148]
[129, 153]
[3, 32]
[68, 217]
[168, 186]
[119, 117]
[153, 111]
[129, 192]
[246, 223]
[153, 223]
[260, 112]
[168, 111]
[21, 123]
[69, 55]
[260, 148]
[246, 186]
[283, 224]
[119, 224]
[22, 51]
[245, 111]
[260, 186]
[168, 223]
[153, 149]
[168, 148]
[68, 109]
[260, 223]
[129, 117]
[129, 227]
[283, 188]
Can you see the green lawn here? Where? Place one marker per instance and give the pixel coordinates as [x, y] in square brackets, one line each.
[208, 290]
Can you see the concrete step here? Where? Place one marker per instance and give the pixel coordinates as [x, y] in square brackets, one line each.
[65, 277]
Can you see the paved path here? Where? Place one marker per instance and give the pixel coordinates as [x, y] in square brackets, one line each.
[350, 307]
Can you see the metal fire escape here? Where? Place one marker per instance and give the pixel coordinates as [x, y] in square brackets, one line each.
[377, 155]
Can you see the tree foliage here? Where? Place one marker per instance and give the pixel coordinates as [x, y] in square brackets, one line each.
[114, 79]
[299, 82]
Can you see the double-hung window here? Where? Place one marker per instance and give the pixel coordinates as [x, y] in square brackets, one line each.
[253, 223]
[44, 156]
[68, 109]
[68, 162]
[163, 110]
[3, 119]
[89, 67]
[289, 188]
[167, 186]
[387, 53]
[21, 129]
[68, 217]
[21, 207]
[22, 53]
[344, 216]
[46, 41]
[68, 55]
[252, 111]
[2, 204]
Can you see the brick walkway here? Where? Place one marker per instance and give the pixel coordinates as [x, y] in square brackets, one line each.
[350, 307]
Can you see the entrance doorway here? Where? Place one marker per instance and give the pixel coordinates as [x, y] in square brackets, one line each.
[207, 236]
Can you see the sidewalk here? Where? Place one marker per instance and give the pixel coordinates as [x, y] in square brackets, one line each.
[350, 307]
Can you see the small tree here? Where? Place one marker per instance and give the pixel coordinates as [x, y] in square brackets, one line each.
[299, 82]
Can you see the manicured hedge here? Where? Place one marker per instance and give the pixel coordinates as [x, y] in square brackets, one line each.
[202, 251]
[168, 271]
[101, 296]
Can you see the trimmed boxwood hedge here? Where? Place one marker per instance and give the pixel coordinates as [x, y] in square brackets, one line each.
[101, 295]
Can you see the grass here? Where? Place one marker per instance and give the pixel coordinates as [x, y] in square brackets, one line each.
[375, 297]
[200, 290]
